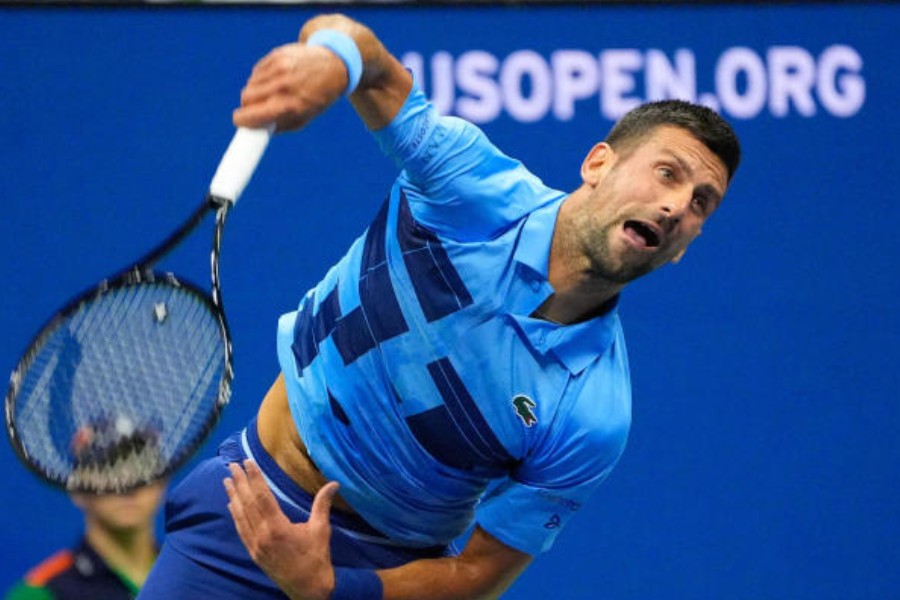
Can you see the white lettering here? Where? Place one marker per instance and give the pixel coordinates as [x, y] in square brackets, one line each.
[667, 81]
[415, 63]
[792, 74]
[474, 72]
[617, 78]
[734, 62]
[575, 78]
[517, 68]
[442, 87]
[783, 80]
[842, 93]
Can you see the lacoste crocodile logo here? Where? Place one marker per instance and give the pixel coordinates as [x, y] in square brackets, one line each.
[523, 405]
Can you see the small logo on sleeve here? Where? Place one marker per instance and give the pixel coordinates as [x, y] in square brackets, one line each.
[523, 405]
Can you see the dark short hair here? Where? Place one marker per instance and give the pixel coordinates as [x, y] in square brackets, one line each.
[701, 122]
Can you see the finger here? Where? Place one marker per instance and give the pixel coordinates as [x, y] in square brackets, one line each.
[276, 67]
[261, 92]
[320, 513]
[242, 492]
[252, 116]
[257, 115]
[243, 525]
[239, 478]
[256, 503]
[263, 115]
[273, 57]
[262, 495]
[228, 482]
[263, 67]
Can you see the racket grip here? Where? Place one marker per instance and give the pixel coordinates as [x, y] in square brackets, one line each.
[239, 162]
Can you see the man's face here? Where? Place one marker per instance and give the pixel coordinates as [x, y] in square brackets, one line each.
[648, 202]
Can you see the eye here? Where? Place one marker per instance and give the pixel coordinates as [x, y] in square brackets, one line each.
[701, 203]
[667, 173]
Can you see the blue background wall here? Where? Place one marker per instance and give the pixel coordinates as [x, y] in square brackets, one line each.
[763, 461]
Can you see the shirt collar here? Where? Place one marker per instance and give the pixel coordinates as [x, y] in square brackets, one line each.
[577, 345]
[535, 237]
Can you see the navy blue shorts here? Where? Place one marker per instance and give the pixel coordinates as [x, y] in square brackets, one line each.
[203, 556]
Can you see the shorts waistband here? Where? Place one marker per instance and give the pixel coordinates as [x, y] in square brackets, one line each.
[285, 488]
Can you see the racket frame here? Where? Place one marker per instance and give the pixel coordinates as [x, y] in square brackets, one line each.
[139, 273]
[232, 174]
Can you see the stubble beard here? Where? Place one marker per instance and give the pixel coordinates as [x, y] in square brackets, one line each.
[605, 265]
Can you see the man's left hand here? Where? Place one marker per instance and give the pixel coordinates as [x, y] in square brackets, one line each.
[296, 556]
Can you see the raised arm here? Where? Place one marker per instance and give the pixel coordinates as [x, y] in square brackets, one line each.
[296, 82]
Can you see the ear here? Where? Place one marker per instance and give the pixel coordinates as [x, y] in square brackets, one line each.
[600, 155]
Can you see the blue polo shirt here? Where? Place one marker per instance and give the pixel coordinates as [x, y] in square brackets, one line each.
[416, 376]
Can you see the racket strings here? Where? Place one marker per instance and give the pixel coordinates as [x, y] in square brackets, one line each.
[138, 368]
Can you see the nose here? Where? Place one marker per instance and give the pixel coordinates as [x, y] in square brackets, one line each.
[674, 206]
[671, 215]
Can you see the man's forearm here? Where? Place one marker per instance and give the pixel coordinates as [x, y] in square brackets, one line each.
[438, 579]
[485, 569]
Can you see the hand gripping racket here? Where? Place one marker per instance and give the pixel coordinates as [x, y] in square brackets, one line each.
[124, 383]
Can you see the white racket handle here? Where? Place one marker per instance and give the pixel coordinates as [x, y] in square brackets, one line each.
[239, 162]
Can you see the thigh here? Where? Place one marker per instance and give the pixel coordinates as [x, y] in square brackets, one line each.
[202, 550]
[174, 575]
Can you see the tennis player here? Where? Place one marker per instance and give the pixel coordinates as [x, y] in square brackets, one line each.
[462, 365]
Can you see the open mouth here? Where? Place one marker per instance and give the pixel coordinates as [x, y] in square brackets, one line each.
[642, 234]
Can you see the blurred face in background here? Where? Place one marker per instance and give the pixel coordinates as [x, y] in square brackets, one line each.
[122, 512]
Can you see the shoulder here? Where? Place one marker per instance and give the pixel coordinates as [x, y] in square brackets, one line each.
[50, 568]
[78, 572]
[34, 585]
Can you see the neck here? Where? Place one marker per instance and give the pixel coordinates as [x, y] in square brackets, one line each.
[566, 308]
[580, 293]
[131, 552]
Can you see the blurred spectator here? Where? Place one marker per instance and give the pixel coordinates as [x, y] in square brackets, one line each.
[113, 557]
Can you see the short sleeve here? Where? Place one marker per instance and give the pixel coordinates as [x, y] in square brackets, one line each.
[531, 508]
[457, 182]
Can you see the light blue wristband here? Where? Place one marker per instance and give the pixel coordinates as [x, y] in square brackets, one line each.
[356, 584]
[343, 45]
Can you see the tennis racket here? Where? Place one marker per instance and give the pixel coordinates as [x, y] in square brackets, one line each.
[123, 384]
